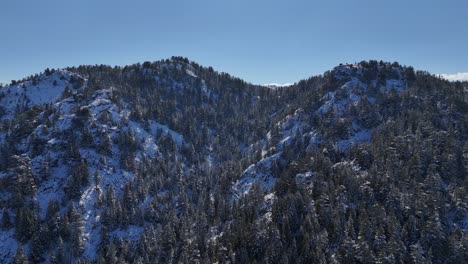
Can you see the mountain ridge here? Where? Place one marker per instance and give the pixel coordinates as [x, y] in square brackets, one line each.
[170, 149]
[187, 61]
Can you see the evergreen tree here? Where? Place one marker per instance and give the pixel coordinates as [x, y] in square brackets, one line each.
[20, 258]
[6, 221]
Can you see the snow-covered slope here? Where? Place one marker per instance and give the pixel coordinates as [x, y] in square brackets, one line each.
[100, 119]
[350, 89]
[104, 157]
[43, 89]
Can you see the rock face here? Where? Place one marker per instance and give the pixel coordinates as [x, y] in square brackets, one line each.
[170, 161]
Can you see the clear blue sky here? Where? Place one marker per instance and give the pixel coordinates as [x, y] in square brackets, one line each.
[258, 40]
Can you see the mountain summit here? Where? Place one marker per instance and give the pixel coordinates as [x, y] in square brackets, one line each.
[173, 162]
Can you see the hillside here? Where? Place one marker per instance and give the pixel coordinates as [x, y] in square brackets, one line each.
[173, 162]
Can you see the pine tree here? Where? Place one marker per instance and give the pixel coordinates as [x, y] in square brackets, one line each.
[76, 231]
[111, 253]
[20, 258]
[45, 169]
[105, 147]
[6, 221]
[417, 254]
[38, 245]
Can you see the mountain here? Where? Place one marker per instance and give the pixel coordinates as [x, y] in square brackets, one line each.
[173, 162]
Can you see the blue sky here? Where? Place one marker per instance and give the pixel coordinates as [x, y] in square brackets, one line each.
[260, 41]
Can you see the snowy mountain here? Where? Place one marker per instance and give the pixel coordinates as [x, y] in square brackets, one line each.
[41, 90]
[171, 161]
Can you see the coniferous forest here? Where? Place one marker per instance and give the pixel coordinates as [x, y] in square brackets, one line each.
[174, 162]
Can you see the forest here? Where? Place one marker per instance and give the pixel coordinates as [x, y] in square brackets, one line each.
[174, 162]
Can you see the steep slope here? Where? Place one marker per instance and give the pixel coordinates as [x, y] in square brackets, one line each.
[353, 87]
[40, 90]
[170, 161]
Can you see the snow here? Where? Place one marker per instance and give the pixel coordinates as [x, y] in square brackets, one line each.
[8, 245]
[149, 144]
[290, 127]
[269, 199]
[398, 85]
[110, 171]
[26, 95]
[277, 85]
[64, 123]
[103, 115]
[191, 73]
[350, 92]
[132, 233]
[91, 233]
[358, 137]
[51, 189]
[465, 223]
[148, 137]
[92, 242]
[258, 172]
[353, 89]
[305, 178]
[178, 138]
